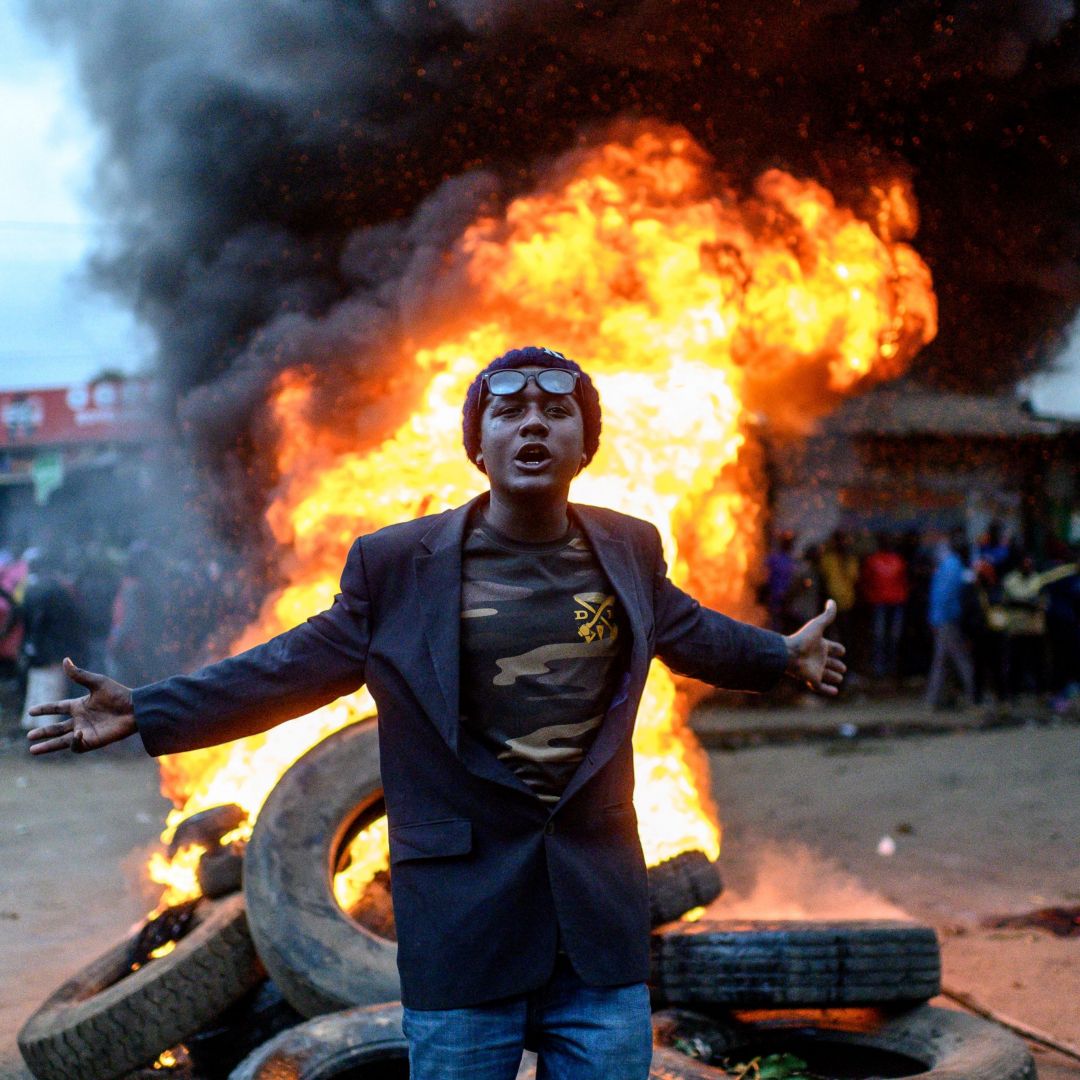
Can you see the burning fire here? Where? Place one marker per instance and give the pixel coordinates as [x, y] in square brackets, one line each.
[691, 306]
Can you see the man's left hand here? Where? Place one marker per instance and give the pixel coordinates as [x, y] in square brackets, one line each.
[813, 658]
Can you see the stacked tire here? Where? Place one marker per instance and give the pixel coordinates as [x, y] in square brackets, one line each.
[279, 981]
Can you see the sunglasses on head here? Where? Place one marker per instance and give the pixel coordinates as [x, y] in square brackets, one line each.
[512, 381]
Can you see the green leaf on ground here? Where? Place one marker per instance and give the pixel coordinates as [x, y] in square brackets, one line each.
[771, 1067]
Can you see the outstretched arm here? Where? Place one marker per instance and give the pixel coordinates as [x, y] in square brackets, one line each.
[290, 675]
[704, 644]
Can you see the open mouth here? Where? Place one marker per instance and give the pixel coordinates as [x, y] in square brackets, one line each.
[533, 456]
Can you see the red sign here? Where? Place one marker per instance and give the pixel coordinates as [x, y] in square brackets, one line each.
[106, 411]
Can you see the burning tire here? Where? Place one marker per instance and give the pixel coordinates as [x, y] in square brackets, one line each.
[259, 1015]
[787, 963]
[322, 959]
[676, 885]
[108, 1020]
[340, 1044]
[931, 1043]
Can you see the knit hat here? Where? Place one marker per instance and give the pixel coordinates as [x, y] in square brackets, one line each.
[532, 356]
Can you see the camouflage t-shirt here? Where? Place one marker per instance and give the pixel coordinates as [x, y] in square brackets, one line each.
[541, 637]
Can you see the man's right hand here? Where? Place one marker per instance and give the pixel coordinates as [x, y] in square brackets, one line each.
[103, 716]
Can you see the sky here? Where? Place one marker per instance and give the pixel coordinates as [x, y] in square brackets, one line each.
[55, 329]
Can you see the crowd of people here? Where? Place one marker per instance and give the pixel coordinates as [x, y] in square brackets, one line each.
[974, 620]
[137, 612]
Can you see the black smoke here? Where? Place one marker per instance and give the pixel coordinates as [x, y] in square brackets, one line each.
[286, 174]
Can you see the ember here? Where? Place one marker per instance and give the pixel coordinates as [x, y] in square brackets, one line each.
[692, 307]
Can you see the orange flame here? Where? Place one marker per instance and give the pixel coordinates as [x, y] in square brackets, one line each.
[690, 307]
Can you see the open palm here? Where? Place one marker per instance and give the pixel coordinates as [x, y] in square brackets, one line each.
[103, 716]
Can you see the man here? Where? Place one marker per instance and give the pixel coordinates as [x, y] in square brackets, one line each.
[840, 571]
[885, 588]
[945, 615]
[53, 628]
[506, 645]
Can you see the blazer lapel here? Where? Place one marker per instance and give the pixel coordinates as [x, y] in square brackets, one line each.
[438, 583]
[616, 561]
[618, 564]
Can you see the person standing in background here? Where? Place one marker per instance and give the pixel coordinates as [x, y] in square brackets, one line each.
[945, 615]
[97, 579]
[780, 577]
[840, 575]
[132, 650]
[885, 588]
[52, 628]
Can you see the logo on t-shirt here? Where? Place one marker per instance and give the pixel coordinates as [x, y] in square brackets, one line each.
[597, 617]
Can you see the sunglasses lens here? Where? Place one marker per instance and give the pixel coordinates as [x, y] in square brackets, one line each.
[512, 381]
[507, 381]
[556, 381]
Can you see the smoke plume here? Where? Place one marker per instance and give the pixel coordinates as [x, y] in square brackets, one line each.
[286, 174]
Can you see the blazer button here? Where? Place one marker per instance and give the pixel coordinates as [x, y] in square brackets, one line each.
[549, 829]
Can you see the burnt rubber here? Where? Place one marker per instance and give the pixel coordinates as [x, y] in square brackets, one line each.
[108, 1020]
[221, 871]
[946, 1045]
[793, 963]
[676, 885]
[258, 1016]
[329, 1046]
[207, 827]
[321, 959]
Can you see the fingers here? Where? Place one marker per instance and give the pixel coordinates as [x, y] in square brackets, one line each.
[832, 677]
[49, 731]
[90, 679]
[50, 746]
[54, 708]
[835, 648]
[51, 737]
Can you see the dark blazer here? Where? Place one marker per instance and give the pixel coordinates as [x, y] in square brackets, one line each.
[486, 878]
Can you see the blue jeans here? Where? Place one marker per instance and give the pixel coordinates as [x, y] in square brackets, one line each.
[579, 1033]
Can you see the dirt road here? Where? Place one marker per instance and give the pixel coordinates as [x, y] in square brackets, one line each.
[982, 823]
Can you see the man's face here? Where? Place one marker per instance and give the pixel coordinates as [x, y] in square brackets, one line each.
[531, 442]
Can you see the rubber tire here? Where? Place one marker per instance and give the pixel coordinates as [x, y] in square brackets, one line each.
[321, 959]
[207, 827]
[221, 871]
[106, 1021]
[12, 1067]
[258, 1016]
[954, 1045]
[688, 880]
[787, 964]
[326, 1046]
